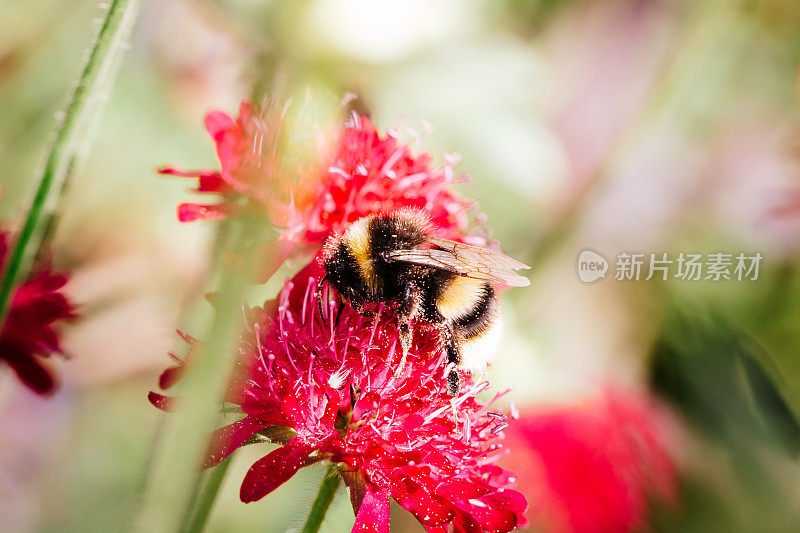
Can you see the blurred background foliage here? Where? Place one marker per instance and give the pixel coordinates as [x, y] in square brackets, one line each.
[615, 125]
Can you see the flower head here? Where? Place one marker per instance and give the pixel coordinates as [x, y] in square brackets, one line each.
[369, 173]
[354, 172]
[331, 388]
[249, 166]
[594, 467]
[28, 335]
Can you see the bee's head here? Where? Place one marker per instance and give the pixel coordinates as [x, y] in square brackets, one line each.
[334, 260]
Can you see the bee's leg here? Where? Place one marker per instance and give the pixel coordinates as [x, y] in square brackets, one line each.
[409, 307]
[339, 309]
[453, 356]
[453, 383]
[320, 291]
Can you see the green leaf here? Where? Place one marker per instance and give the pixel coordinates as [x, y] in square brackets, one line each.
[713, 372]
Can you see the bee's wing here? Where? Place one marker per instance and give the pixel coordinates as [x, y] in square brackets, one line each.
[465, 260]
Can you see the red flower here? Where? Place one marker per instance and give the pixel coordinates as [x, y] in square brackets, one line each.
[593, 468]
[249, 168]
[328, 391]
[28, 336]
[333, 386]
[172, 375]
[371, 173]
[353, 173]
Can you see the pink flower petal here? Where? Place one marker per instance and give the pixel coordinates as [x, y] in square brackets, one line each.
[491, 519]
[165, 403]
[217, 122]
[225, 440]
[464, 523]
[212, 182]
[373, 516]
[189, 212]
[460, 490]
[170, 376]
[208, 180]
[507, 499]
[32, 371]
[273, 470]
[420, 500]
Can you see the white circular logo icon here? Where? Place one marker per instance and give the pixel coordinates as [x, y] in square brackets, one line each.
[591, 266]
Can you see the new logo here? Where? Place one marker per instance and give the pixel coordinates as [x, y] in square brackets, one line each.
[591, 266]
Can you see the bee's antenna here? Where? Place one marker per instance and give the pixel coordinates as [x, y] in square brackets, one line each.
[319, 297]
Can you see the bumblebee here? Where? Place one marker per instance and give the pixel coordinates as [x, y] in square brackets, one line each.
[395, 258]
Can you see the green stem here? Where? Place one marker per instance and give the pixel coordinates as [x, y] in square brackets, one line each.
[81, 111]
[194, 520]
[172, 500]
[327, 490]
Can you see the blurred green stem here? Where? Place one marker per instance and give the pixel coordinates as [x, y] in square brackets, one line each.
[327, 490]
[81, 112]
[196, 516]
[175, 498]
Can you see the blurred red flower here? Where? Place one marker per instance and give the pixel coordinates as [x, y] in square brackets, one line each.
[353, 172]
[28, 335]
[593, 467]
